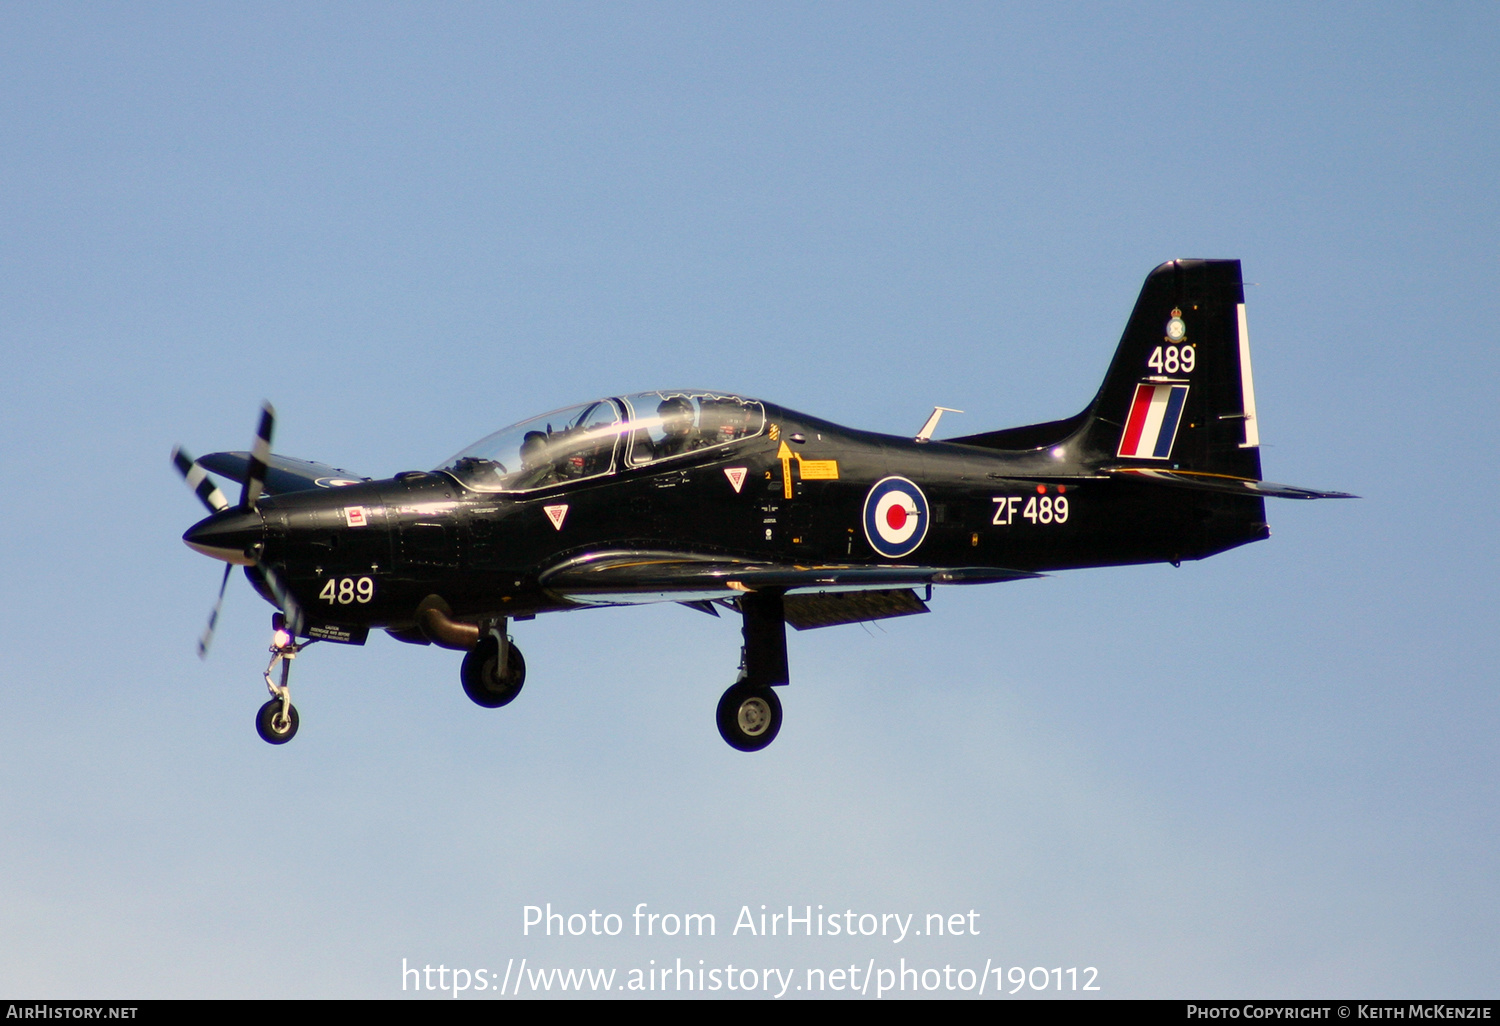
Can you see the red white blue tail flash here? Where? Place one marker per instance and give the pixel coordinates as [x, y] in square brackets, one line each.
[1152, 424]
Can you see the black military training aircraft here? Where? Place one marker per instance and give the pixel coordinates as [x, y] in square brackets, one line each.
[718, 501]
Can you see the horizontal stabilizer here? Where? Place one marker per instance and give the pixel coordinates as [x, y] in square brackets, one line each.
[1225, 483]
[283, 473]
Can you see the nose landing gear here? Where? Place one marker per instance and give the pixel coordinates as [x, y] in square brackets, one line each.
[276, 722]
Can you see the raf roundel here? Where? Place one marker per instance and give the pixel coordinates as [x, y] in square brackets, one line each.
[895, 517]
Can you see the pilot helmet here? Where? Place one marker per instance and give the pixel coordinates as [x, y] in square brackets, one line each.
[676, 415]
[532, 448]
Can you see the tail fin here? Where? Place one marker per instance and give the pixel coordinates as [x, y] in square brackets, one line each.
[1179, 394]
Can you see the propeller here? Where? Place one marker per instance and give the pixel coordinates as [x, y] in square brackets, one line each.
[283, 597]
[260, 453]
[213, 618]
[213, 500]
[197, 479]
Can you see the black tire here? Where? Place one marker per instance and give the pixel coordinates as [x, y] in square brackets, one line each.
[749, 717]
[482, 684]
[269, 726]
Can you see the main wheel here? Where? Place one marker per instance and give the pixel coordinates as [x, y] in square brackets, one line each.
[749, 717]
[483, 684]
[272, 727]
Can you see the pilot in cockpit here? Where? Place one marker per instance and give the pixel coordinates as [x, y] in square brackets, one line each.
[536, 469]
[676, 416]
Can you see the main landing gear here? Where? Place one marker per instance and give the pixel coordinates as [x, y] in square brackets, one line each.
[749, 713]
[276, 722]
[493, 671]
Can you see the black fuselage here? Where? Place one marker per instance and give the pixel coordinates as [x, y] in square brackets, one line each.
[421, 534]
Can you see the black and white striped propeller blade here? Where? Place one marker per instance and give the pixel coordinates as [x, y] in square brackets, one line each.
[283, 597]
[213, 618]
[197, 479]
[260, 454]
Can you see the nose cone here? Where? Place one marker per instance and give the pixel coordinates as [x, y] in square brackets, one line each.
[231, 535]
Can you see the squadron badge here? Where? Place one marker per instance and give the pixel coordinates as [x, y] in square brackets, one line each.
[1176, 329]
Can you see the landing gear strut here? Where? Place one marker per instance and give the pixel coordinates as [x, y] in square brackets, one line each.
[276, 722]
[749, 713]
[493, 671]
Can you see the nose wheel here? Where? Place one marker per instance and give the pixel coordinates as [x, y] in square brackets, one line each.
[749, 716]
[276, 723]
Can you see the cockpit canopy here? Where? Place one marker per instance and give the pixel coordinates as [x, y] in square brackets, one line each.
[598, 438]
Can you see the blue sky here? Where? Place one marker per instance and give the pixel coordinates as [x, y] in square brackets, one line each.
[1271, 773]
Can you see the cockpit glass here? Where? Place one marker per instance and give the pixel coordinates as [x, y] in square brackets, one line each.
[564, 445]
[595, 438]
[668, 424]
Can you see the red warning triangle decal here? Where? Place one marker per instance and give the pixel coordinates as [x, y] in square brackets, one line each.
[556, 514]
[736, 477]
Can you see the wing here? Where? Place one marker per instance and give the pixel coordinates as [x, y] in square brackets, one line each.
[283, 473]
[622, 577]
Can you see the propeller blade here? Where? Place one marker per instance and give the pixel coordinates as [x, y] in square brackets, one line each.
[283, 597]
[198, 480]
[260, 453]
[213, 618]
